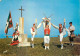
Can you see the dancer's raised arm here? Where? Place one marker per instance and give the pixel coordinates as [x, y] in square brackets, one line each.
[39, 25]
[55, 26]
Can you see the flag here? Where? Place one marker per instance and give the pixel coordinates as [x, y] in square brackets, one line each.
[9, 23]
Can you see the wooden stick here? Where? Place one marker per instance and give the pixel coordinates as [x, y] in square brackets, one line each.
[7, 35]
[73, 42]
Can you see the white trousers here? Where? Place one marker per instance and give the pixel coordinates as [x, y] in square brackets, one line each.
[32, 38]
[61, 37]
[46, 39]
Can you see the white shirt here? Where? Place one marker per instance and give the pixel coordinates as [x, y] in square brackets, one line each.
[71, 28]
[35, 32]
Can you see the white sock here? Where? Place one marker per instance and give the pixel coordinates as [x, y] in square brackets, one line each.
[48, 47]
[45, 47]
[61, 45]
[72, 44]
[32, 45]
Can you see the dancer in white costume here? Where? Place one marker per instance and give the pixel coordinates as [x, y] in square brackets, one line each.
[33, 32]
[46, 37]
[62, 31]
[46, 21]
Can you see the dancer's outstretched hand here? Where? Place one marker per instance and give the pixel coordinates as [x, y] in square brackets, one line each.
[42, 22]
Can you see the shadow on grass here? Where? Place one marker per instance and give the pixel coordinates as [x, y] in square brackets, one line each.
[59, 46]
[43, 45]
[67, 43]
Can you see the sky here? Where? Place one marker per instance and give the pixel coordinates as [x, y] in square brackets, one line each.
[59, 9]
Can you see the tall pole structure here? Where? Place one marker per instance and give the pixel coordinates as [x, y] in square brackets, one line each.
[21, 22]
[21, 10]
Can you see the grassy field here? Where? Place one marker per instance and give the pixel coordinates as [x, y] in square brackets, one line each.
[38, 50]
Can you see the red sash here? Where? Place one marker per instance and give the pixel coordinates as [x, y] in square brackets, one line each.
[60, 29]
[33, 29]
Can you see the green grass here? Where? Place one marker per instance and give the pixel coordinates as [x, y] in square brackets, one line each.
[38, 50]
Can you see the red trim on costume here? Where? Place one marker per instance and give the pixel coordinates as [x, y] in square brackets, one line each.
[60, 29]
[14, 43]
[33, 29]
[15, 34]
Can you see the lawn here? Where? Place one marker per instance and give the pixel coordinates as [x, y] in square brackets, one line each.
[38, 50]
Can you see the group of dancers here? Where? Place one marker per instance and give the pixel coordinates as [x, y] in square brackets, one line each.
[47, 26]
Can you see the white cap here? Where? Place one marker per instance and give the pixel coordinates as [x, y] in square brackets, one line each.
[49, 18]
[43, 18]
